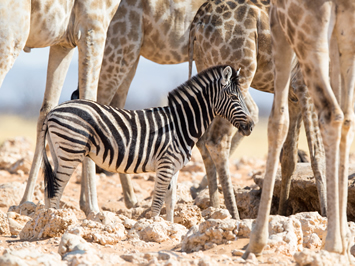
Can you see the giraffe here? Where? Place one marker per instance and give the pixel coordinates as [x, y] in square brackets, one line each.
[62, 25]
[224, 32]
[321, 35]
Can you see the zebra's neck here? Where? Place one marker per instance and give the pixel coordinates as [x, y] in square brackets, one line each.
[192, 111]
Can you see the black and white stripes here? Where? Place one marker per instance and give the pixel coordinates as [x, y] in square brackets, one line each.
[151, 140]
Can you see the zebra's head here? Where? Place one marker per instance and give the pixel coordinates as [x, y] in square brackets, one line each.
[230, 102]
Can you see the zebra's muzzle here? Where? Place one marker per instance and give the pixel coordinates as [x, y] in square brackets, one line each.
[246, 127]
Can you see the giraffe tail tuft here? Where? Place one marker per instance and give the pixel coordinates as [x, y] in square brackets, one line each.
[192, 37]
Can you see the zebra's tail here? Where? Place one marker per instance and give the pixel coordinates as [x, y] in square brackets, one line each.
[50, 182]
[192, 37]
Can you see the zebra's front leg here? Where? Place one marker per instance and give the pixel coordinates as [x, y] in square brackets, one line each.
[163, 179]
[170, 198]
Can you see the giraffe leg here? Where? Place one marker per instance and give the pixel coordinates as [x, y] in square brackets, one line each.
[346, 50]
[219, 147]
[91, 53]
[58, 64]
[277, 131]
[170, 198]
[314, 64]
[114, 81]
[289, 158]
[211, 171]
[315, 144]
[347, 137]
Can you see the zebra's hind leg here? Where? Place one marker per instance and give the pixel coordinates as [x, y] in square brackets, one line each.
[170, 198]
[64, 166]
[62, 176]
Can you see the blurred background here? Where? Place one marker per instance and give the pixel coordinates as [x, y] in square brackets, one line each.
[22, 92]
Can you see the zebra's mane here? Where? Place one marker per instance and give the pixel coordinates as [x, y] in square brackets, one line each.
[206, 74]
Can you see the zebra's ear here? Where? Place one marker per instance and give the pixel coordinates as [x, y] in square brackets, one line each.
[226, 75]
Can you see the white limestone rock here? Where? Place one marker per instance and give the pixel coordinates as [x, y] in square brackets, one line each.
[319, 258]
[157, 230]
[216, 213]
[16, 155]
[29, 257]
[16, 222]
[187, 215]
[104, 217]
[314, 228]
[285, 235]
[70, 242]
[48, 223]
[11, 193]
[4, 225]
[97, 232]
[210, 233]
[183, 194]
[76, 251]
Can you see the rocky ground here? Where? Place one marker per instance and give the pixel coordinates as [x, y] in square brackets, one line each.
[200, 235]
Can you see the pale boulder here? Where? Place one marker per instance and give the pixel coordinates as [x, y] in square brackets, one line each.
[48, 223]
[157, 230]
[70, 242]
[319, 257]
[187, 215]
[11, 193]
[29, 257]
[16, 155]
[16, 222]
[97, 232]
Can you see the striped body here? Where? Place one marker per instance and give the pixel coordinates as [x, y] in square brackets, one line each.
[117, 140]
[151, 140]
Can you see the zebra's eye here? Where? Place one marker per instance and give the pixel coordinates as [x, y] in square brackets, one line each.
[234, 97]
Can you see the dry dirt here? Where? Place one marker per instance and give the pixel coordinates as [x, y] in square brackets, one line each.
[110, 199]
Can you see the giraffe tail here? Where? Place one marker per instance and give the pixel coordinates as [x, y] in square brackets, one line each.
[192, 37]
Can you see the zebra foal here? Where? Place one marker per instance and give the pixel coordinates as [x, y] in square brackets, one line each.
[151, 140]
